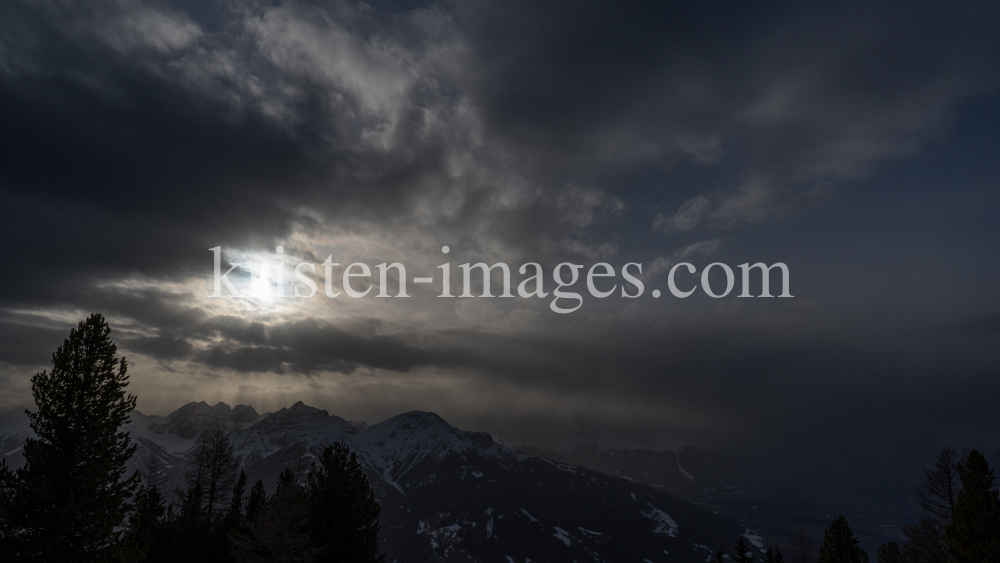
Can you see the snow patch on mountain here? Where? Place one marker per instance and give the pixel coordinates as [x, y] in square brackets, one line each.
[562, 535]
[396, 445]
[755, 539]
[681, 469]
[417, 464]
[309, 428]
[664, 523]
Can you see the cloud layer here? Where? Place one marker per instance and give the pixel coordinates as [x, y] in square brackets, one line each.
[137, 135]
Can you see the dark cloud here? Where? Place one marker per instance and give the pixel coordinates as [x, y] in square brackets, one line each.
[139, 135]
[981, 324]
[28, 344]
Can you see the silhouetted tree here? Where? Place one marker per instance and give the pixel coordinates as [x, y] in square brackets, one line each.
[281, 530]
[719, 557]
[187, 534]
[803, 549]
[343, 514]
[924, 541]
[773, 556]
[941, 486]
[70, 500]
[840, 545]
[973, 535]
[219, 546]
[889, 553]
[255, 503]
[210, 507]
[191, 502]
[148, 511]
[233, 519]
[743, 554]
[7, 490]
[215, 470]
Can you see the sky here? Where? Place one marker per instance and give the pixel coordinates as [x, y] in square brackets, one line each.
[856, 143]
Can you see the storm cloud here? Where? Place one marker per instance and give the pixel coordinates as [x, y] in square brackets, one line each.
[856, 143]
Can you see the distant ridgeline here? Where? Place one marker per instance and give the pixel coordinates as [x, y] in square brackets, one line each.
[442, 491]
[97, 481]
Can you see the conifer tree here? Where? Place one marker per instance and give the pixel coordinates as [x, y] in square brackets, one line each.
[236, 503]
[7, 488]
[148, 509]
[840, 545]
[802, 549]
[343, 512]
[973, 536]
[281, 531]
[188, 533]
[941, 486]
[719, 557]
[70, 500]
[743, 554]
[287, 479]
[215, 470]
[925, 539]
[255, 502]
[773, 556]
[191, 503]
[889, 553]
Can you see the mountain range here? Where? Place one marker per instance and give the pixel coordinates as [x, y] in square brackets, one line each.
[446, 494]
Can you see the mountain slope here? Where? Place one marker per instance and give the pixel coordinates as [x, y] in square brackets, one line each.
[448, 494]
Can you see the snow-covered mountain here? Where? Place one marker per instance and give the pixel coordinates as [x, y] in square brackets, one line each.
[446, 494]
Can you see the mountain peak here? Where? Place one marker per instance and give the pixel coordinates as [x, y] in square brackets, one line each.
[189, 408]
[301, 416]
[193, 418]
[410, 424]
[244, 414]
[417, 436]
[423, 417]
[301, 409]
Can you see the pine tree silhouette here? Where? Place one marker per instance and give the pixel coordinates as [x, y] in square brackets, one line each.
[281, 529]
[941, 486]
[234, 518]
[70, 500]
[802, 549]
[925, 538]
[743, 554]
[773, 556]
[924, 541]
[840, 545]
[973, 536]
[889, 553]
[255, 503]
[149, 509]
[343, 515]
[8, 488]
[216, 470]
